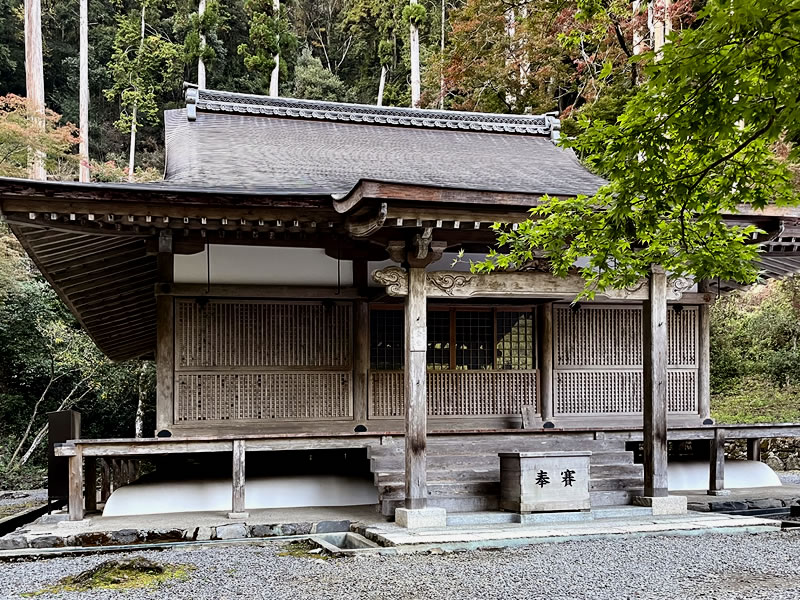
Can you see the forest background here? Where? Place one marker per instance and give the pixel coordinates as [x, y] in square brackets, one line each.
[507, 56]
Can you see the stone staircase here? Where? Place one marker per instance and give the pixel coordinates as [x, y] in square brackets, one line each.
[464, 471]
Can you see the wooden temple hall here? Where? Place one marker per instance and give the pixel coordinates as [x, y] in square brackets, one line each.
[294, 278]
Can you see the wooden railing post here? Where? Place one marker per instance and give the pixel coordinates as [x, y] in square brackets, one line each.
[716, 471]
[91, 483]
[704, 358]
[416, 337]
[238, 496]
[165, 337]
[754, 449]
[76, 485]
[654, 353]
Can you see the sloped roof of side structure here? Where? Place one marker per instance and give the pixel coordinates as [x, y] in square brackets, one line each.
[264, 144]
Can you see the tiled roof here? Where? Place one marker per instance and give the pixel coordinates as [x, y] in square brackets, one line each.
[282, 145]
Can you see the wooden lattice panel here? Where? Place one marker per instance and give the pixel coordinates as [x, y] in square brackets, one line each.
[266, 396]
[611, 336]
[260, 361]
[456, 393]
[619, 392]
[598, 360]
[227, 334]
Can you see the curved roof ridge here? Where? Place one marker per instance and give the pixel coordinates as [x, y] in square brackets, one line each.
[233, 102]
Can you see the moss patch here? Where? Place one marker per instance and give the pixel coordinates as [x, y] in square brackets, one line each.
[119, 574]
[303, 549]
[12, 509]
[756, 400]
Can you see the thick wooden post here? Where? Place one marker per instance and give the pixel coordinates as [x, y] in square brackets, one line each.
[754, 449]
[360, 361]
[238, 500]
[165, 337]
[416, 337]
[545, 335]
[654, 352]
[76, 485]
[716, 471]
[91, 483]
[105, 479]
[704, 357]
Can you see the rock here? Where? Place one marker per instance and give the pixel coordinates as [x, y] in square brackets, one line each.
[296, 528]
[728, 505]
[265, 530]
[231, 532]
[792, 463]
[47, 541]
[15, 542]
[775, 463]
[124, 536]
[765, 503]
[204, 533]
[94, 538]
[332, 526]
[164, 535]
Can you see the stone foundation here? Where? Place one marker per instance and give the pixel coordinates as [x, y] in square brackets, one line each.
[781, 454]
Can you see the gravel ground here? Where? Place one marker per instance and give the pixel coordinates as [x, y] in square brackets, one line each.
[720, 567]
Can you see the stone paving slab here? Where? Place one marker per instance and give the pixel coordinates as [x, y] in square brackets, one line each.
[488, 535]
[744, 498]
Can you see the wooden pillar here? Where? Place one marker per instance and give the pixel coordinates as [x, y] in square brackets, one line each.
[654, 353]
[165, 337]
[238, 503]
[754, 449]
[704, 357]
[91, 483]
[105, 479]
[716, 471]
[545, 338]
[416, 338]
[360, 361]
[76, 485]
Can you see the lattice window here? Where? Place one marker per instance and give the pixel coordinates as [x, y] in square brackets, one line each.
[386, 339]
[458, 339]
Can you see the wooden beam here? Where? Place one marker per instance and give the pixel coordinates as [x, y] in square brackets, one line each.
[654, 352]
[165, 339]
[416, 338]
[76, 485]
[716, 471]
[258, 291]
[361, 359]
[544, 332]
[704, 357]
[238, 483]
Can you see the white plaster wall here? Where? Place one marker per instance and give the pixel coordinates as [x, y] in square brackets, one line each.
[263, 265]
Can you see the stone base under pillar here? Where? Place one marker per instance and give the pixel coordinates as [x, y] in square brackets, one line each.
[238, 515]
[420, 518]
[663, 505]
[718, 492]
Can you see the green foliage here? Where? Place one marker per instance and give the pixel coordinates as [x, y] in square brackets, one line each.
[414, 14]
[206, 25]
[144, 66]
[315, 82]
[693, 144]
[269, 35]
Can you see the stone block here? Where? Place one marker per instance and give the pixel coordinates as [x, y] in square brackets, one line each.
[164, 535]
[94, 538]
[296, 528]
[332, 526]
[238, 515]
[47, 541]
[544, 481]
[728, 505]
[204, 533]
[265, 530]
[765, 503]
[231, 532]
[421, 518]
[663, 505]
[13, 542]
[125, 536]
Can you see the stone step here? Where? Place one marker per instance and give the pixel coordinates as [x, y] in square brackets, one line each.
[613, 498]
[396, 462]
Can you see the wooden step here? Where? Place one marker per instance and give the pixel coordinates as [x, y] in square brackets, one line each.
[616, 471]
[609, 484]
[396, 462]
[451, 505]
[437, 475]
[453, 489]
[613, 498]
[489, 446]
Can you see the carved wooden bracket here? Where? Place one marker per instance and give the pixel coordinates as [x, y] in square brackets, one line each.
[454, 284]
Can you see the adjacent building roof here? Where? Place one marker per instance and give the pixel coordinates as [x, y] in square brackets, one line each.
[268, 145]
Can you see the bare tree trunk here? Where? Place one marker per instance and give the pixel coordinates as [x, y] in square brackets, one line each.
[441, 67]
[83, 110]
[40, 435]
[201, 66]
[273, 81]
[415, 75]
[35, 412]
[139, 424]
[132, 153]
[381, 85]
[34, 79]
